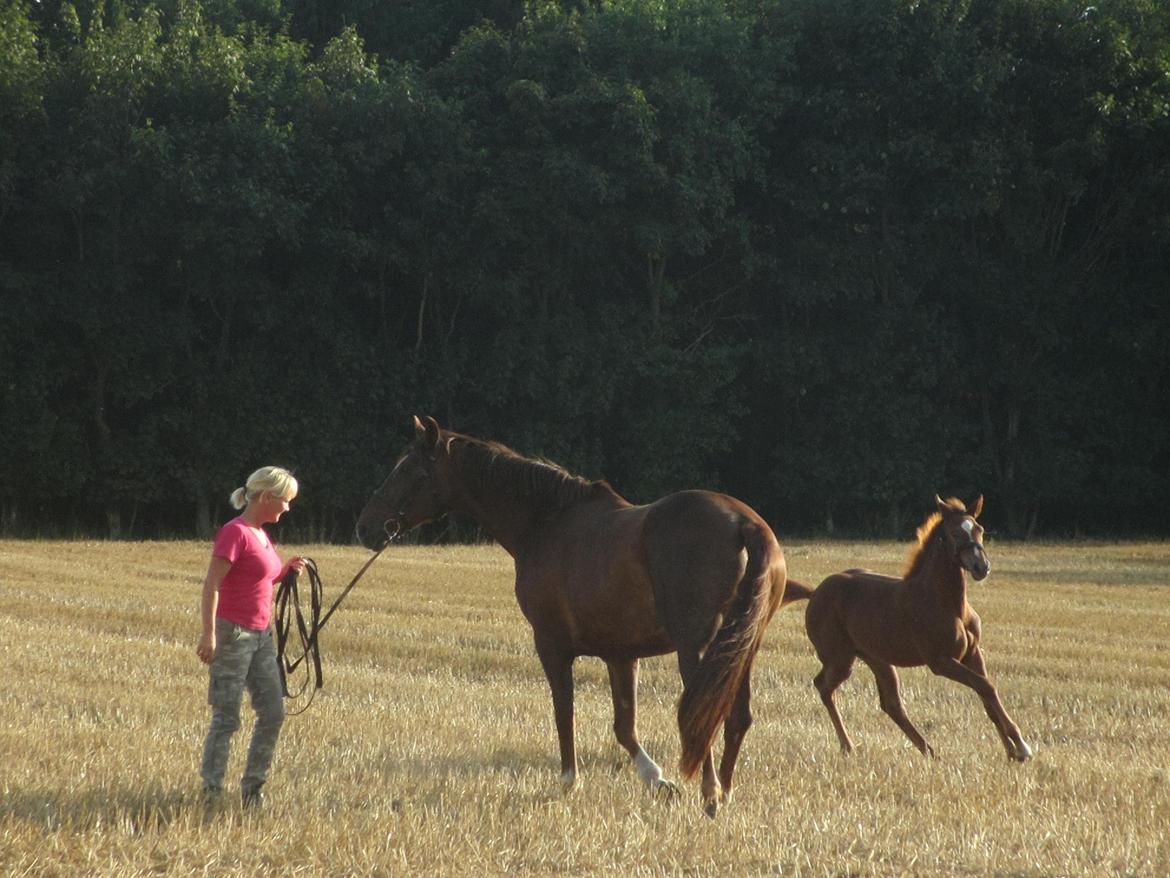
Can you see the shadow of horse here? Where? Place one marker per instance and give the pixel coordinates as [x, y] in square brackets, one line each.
[138, 809]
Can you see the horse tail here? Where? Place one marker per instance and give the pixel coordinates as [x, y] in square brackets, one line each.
[795, 591]
[709, 695]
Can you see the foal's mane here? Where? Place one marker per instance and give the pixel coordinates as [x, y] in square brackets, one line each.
[925, 532]
[496, 467]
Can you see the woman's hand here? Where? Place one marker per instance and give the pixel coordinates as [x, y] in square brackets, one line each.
[296, 563]
[206, 648]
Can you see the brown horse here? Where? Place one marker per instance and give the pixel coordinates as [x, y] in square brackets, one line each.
[695, 572]
[921, 619]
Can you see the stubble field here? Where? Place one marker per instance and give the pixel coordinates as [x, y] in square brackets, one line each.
[432, 751]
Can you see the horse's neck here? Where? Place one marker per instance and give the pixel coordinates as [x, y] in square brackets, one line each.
[502, 517]
[509, 519]
[938, 574]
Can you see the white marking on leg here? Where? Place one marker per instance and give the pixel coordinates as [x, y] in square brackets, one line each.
[647, 768]
[568, 781]
[1023, 752]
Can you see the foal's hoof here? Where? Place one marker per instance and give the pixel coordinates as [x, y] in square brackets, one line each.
[711, 808]
[1022, 752]
[664, 789]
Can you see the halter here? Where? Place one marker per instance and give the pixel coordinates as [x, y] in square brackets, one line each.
[394, 520]
[958, 548]
[397, 516]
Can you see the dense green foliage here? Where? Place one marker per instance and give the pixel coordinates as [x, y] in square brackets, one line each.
[831, 256]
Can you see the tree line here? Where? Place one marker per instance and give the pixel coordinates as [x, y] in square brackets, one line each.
[831, 256]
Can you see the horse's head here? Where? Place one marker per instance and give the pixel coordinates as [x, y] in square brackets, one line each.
[416, 491]
[964, 535]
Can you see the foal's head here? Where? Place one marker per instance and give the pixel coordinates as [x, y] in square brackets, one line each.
[417, 490]
[963, 535]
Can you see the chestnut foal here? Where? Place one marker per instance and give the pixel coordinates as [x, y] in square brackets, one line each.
[920, 619]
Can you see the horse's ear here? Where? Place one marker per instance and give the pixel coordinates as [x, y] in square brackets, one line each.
[939, 504]
[426, 430]
[977, 507]
[431, 428]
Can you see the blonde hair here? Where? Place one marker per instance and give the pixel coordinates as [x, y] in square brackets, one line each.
[273, 480]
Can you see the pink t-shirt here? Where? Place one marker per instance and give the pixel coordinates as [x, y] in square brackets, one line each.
[245, 595]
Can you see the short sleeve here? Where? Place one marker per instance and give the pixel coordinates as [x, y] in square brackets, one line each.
[229, 543]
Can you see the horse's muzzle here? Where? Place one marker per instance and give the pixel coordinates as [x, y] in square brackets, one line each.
[979, 565]
[373, 538]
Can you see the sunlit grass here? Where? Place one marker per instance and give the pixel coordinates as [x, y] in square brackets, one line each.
[432, 749]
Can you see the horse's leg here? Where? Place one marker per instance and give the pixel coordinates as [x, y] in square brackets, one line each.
[688, 665]
[831, 676]
[890, 692]
[558, 667]
[623, 681]
[734, 730]
[955, 670]
[1009, 732]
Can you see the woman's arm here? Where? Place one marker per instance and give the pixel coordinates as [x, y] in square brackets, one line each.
[216, 571]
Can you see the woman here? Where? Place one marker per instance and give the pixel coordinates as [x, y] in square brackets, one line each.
[237, 640]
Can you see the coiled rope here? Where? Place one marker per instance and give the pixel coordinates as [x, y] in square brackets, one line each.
[288, 611]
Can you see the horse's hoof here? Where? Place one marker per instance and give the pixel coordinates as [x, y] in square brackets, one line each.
[568, 782]
[666, 790]
[711, 808]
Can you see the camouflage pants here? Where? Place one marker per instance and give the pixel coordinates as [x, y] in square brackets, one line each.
[243, 658]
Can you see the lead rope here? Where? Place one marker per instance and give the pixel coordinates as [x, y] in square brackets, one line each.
[288, 601]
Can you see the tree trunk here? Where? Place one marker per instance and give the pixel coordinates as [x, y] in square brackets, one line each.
[113, 523]
[202, 517]
[1003, 449]
[422, 312]
[656, 270]
[8, 517]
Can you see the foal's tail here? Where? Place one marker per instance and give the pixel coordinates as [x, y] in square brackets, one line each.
[795, 591]
[710, 694]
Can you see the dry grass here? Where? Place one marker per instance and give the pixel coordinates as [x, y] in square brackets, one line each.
[432, 749]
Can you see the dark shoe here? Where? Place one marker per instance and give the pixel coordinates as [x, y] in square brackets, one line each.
[252, 799]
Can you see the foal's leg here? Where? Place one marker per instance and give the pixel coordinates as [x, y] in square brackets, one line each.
[688, 664]
[832, 675]
[558, 667]
[623, 681]
[734, 730]
[968, 676]
[890, 692]
[1009, 732]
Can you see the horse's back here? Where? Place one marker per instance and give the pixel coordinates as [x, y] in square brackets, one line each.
[865, 612]
[698, 533]
[637, 580]
[693, 545]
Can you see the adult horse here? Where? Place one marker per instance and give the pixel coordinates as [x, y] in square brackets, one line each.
[920, 619]
[695, 572]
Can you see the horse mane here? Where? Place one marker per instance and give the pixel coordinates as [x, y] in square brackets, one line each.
[925, 532]
[496, 467]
